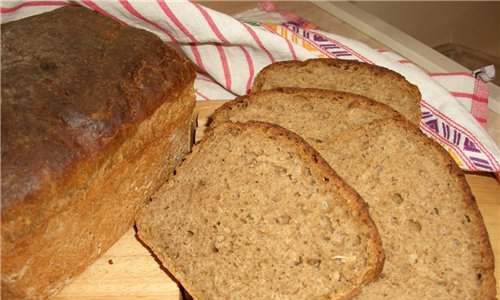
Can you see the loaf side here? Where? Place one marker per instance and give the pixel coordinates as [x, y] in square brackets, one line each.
[95, 115]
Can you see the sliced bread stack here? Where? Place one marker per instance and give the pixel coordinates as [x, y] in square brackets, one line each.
[254, 212]
[434, 238]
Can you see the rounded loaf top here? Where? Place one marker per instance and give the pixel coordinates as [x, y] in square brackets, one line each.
[73, 82]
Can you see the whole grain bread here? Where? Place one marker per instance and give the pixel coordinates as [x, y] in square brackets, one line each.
[343, 111]
[255, 213]
[95, 115]
[436, 244]
[374, 82]
[434, 238]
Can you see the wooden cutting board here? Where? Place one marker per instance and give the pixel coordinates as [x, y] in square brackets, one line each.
[128, 271]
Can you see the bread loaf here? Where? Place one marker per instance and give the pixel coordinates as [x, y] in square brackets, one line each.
[374, 82]
[95, 115]
[434, 238]
[255, 213]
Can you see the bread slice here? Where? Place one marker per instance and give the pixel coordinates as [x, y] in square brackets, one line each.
[280, 106]
[434, 238]
[255, 213]
[374, 82]
[436, 244]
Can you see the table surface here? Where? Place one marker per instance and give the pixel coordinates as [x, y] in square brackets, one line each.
[128, 271]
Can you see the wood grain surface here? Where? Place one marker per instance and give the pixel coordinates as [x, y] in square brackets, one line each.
[128, 271]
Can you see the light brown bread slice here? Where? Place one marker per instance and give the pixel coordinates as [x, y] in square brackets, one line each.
[433, 234]
[255, 213]
[374, 82]
[436, 244]
[338, 110]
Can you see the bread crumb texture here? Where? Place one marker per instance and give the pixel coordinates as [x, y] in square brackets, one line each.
[254, 214]
[375, 82]
[434, 238]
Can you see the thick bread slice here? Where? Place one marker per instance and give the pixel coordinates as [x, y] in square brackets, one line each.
[279, 106]
[434, 237]
[374, 82]
[436, 244]
[255, 213]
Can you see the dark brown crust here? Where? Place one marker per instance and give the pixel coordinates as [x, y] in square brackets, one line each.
[86, 107]
[308, 153]
[241, 102]
[85, 101]
[377, 71]
[489, 281]
[90, 81]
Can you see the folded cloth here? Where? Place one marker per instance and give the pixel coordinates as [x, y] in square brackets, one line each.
[229, 53]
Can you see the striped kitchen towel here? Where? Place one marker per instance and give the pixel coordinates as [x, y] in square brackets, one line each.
[470, 92]
[230, 52]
